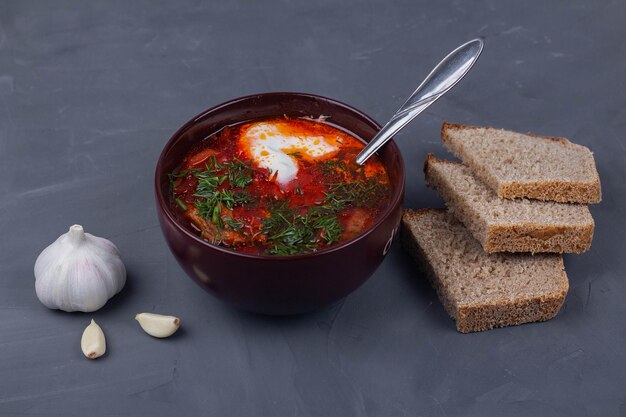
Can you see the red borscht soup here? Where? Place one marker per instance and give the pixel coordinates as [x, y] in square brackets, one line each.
[279, 187]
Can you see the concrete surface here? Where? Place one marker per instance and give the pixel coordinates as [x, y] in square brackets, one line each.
[91, 91]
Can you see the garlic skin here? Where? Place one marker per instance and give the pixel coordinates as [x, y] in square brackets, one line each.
[78, 272]
[158, 325]
[93, 343]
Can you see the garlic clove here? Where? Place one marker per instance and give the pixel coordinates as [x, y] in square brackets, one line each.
[93, 343]
[158, 325]
[78, 272]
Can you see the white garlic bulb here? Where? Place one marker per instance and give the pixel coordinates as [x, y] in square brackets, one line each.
[78, 272]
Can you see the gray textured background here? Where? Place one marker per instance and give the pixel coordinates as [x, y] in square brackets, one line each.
[90, 92]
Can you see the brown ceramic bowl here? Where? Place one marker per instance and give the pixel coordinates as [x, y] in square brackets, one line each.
[278, 284]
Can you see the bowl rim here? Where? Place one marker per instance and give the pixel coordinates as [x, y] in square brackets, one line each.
[163, 206]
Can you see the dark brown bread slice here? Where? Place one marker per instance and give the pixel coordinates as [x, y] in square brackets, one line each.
[517, 165]
[502, 225]
[478, 290]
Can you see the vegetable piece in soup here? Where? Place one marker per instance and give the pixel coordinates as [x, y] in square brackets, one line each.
[279, 187]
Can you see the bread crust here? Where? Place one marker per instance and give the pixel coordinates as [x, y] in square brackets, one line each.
[526, 237]
[549, 190]
[488, 315]
[559, 191]
[476, 318]
[538, 238]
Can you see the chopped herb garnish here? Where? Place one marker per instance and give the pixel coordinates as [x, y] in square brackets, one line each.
[288, 232]
[330, 166]
[239, 173]
[231, 202]
[330, 228]
[234, 224]
[173, 176]
[181, 204]
[353, 193]
[291, 231]
[209, 180]
[211, 208]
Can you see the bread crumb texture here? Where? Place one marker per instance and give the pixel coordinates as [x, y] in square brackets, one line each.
[502, 225]
[479, 290]
[518, 165]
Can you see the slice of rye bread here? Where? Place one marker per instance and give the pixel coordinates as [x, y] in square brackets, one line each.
[517, 165]
[478, 290]
[509, 225]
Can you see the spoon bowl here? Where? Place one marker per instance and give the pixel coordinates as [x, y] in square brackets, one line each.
[440, 80]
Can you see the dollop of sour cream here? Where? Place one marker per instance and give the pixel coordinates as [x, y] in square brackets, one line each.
[278, 151]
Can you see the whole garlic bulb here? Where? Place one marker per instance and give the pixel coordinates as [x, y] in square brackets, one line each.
[78, 272]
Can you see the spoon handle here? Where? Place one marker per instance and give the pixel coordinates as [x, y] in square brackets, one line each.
[440, 80]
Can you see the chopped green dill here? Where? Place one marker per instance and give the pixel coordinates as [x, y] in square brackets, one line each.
[239, 173]
[181, 204]
[211, 207]
[234, 224]
[330, 166]
[330, 228]
[291, 231]
[173, 176]
[363, 194]
[296, 154]
[208, 180]
[288, 230]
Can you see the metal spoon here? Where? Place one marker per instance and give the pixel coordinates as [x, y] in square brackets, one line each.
[440, 80]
